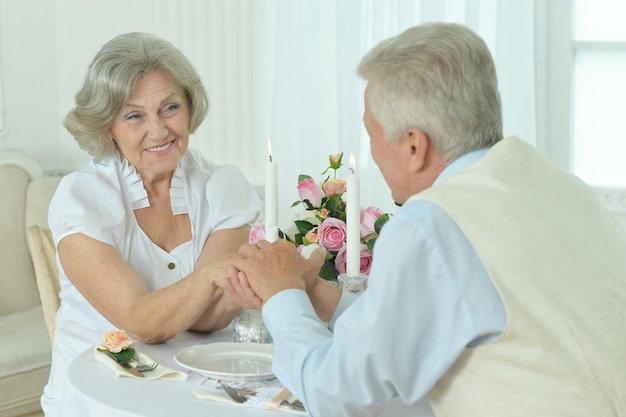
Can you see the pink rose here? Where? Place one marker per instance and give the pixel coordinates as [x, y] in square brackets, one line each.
[366, 260]
[309, 190]
[332, 234]
[257, 233]
[368, 218]
[334, 186]
[115, 341]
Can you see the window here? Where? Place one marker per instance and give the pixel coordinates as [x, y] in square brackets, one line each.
[599, 89]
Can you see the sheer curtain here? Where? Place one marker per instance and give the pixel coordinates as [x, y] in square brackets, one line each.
[317, 104]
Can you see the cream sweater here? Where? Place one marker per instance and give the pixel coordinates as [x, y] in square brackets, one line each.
[558, 260]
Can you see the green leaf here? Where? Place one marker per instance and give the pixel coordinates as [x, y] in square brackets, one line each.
[328, 271]
[336, 206]
[302, 177]
[369, 236]
[304, 226]
[370, 245]
[125, 356]
[380, 222]
[298, 240]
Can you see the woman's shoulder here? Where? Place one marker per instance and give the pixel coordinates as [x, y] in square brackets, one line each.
[98, 184]
[96, 174]
[88, 200]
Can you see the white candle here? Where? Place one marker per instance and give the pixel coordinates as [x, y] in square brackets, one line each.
[353, 221]
[271, 197]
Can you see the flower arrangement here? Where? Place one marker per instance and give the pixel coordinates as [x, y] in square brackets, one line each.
[323, 221]
[118, 345]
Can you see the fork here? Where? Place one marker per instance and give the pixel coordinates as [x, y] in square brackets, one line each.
[241, 396]
[147, 367]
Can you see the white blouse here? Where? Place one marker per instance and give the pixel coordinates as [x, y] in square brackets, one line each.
[98, 201]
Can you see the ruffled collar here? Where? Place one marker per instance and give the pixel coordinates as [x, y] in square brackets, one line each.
[139, 195]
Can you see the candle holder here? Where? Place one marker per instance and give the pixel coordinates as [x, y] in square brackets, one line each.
[354, 284]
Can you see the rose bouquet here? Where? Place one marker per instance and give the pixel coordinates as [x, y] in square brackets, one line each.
[323, 222]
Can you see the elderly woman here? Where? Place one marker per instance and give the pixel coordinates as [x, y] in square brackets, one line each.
[142, 230]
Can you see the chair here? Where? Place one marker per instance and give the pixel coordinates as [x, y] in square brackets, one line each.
[43, 254]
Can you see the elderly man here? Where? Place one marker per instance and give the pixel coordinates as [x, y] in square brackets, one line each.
[497, 289]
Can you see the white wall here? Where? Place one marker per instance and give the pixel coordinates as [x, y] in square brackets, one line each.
[47, 45]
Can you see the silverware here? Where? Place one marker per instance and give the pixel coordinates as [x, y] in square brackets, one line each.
[138, 369]
[126, 366]
[235, 394]
[241, 396]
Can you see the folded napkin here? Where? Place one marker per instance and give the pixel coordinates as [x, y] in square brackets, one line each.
[266, 391]
[160, 372]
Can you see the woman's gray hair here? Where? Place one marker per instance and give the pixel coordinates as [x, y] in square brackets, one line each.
[439, 78]
[111, 78]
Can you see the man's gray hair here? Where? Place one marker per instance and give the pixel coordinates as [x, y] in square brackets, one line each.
[439, 78]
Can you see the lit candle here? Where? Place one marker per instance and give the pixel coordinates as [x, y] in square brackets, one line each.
[271, 197]
[353, 220]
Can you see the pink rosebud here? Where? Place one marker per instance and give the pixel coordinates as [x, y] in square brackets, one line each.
[311, 235]
[257, 232]
[332, 234]
[324, 213]
[335, 160]
[368, 218]
[309, 190]
[334, 186]
[366, 260]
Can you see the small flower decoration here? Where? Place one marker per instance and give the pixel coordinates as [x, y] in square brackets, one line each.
[117, 343]
[323, 221]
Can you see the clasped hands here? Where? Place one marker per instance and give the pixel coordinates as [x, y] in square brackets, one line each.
[265, 269]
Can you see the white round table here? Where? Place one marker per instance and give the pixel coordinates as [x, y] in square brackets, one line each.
[96, 392]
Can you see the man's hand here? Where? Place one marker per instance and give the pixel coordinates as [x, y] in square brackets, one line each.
[265, 269]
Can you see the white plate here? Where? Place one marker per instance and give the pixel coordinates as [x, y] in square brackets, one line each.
[229, 361]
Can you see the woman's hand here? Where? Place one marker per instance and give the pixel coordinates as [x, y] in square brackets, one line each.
[237, 287]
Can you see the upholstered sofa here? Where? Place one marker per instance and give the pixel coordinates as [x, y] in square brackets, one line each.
[25, 343]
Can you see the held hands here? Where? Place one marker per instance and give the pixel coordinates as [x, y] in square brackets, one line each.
[265, 269]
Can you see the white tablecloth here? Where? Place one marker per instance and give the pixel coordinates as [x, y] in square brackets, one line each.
[94, 391]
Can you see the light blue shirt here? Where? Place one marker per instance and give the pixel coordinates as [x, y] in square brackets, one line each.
[429, 297]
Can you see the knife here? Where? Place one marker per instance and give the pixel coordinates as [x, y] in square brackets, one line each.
[131, 370]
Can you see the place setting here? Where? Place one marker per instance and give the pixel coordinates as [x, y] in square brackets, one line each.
[240, 372]
[117, 352]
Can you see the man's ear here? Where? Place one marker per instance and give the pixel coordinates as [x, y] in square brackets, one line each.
[417, 146]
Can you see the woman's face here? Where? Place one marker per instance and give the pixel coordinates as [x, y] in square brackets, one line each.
[152, 130]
